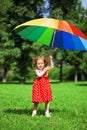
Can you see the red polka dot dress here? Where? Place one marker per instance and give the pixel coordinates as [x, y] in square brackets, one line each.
[41, 91]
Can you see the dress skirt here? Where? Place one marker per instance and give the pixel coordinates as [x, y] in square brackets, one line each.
[41, 91]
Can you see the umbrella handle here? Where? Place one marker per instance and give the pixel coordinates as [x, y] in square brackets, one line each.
[53, 39]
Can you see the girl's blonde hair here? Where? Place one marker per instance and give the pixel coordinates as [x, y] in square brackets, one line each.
[42, 58]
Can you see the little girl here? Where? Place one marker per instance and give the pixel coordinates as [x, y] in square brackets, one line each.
[41, 91]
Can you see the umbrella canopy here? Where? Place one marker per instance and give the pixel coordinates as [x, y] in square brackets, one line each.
[54, 33]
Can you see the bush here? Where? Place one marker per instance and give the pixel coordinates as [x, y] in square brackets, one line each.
[54, 74]
[68, 73]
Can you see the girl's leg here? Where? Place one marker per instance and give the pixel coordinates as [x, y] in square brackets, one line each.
[35, 105]
[35, 109]
[47, 105]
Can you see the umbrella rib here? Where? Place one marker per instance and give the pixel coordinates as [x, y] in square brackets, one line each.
[53, 38]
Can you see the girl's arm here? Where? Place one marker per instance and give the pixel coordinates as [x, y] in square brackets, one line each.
[51, 66]
[40, 74]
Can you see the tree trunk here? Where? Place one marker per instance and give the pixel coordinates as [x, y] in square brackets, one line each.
[76, 74]
[4, 78]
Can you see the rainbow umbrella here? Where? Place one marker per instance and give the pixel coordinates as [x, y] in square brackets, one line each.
[54, 33]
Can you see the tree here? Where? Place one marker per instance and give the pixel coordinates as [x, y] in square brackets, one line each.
[73, 12]
[83, 65]
[59, 56]
[12, 46]
[7, 50]
[75, 58]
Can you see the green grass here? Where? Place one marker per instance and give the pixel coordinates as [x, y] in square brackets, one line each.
[68, 108]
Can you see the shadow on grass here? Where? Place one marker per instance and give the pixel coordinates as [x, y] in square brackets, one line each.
[27, 83]
[19, 111]
[41, 112]
[82, 84]
[28, 111]
[17, 83]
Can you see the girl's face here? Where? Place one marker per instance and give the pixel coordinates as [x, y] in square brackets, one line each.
[40, 64]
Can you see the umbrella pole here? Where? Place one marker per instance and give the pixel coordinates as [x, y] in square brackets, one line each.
[53, 39]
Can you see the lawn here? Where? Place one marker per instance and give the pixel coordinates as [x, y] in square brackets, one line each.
[68, 108]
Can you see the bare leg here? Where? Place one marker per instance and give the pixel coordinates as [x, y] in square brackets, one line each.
[35, 105]
[35, 109]
[47, 105]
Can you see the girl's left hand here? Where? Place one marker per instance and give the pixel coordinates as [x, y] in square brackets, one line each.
[51, 57]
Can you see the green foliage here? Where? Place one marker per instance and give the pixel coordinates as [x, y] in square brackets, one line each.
[4, 5]
[12, 46]
[16, 54]
[83, 65]
[68, 108]
[71, 11]
[74, 57]
[54, 74]
[68, 73]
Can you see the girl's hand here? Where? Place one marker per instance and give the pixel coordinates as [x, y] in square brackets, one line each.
[51, 66]
[51, 57]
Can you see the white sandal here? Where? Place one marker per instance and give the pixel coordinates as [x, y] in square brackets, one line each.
[34, 113]
[47, 114]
